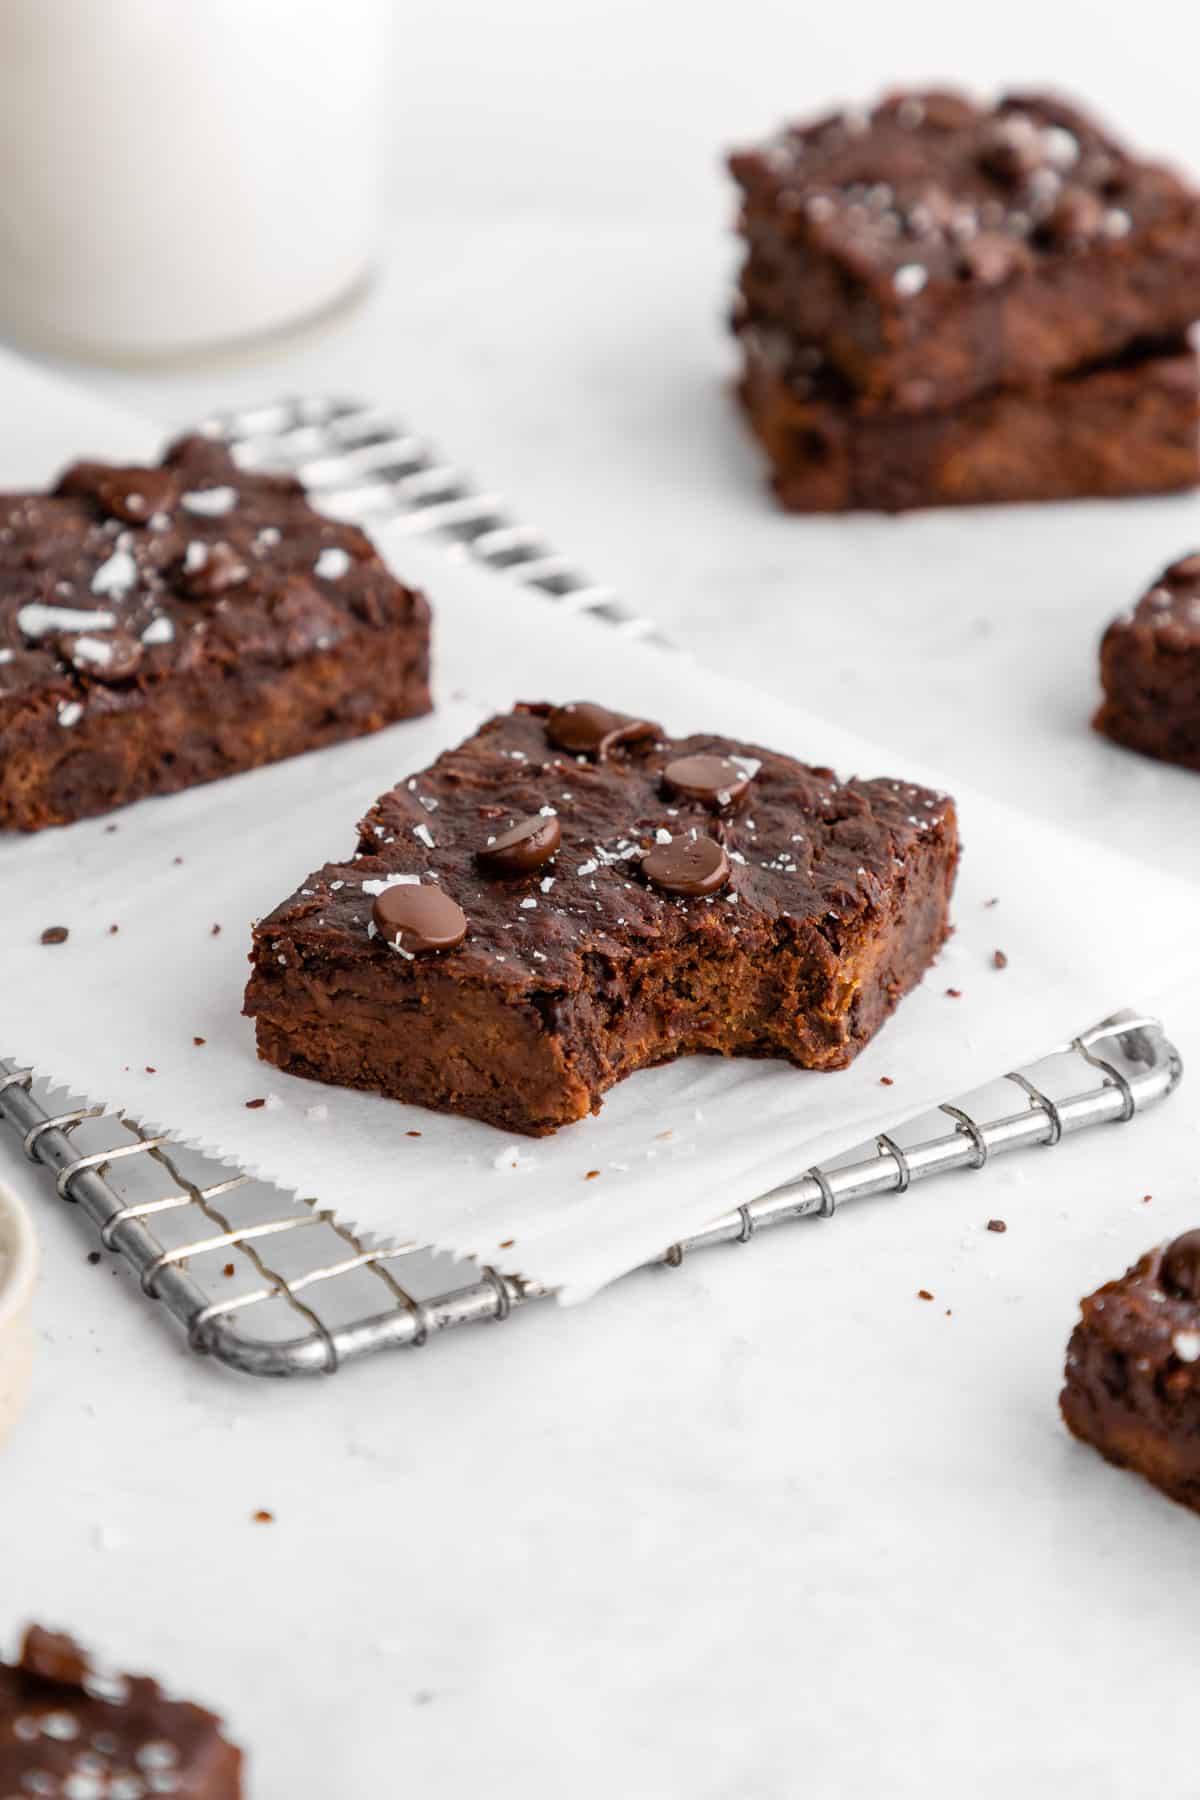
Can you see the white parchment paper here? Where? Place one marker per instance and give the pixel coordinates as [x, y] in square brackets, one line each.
[114, 1015]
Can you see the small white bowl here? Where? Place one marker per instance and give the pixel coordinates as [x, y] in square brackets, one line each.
[18, 1273]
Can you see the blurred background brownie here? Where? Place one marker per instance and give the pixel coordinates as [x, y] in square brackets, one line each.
[1150, 670]
[71, 1730]
[1133, 1370]
[164, 626]
[938, 257]
[1127, 426]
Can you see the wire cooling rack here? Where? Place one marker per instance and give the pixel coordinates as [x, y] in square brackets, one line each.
[272, 1284]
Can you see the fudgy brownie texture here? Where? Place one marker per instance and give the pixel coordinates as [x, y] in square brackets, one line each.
[72, 1730]
[163, 626]
[597, 898]
[1150, 669]
[1133, 1370]
[935, 247]
[1130, 426]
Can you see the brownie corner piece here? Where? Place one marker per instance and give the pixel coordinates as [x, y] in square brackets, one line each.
[1150, 670]
[71, 1728]
[167, 625]
[570, 896]
[1132, 1387]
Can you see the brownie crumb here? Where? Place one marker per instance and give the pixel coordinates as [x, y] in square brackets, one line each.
[93, 1257]
[216, 931]
[113, 930]
[996, 1225]
[150, 1069]
[412, 1134]
[591, 1175]
[252, 1104]
[506, 1243]
[228, 1270]
[924, 1294]
[55, 934]
[1146, 1199]
[198, 1040]
[954, 993]
[263, 1517]
[886, 1081]
[999, 960]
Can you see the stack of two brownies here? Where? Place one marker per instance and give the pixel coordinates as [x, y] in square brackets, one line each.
[947, 302]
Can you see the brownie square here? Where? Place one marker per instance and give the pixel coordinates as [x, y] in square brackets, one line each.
[72, 1730]
[1133, 1370]
[1129, 426]
[1150, 670]
[936, 247]
[570, 896]
[164, 626]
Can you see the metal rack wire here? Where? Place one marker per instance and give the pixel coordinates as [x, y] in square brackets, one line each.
[272, 1284]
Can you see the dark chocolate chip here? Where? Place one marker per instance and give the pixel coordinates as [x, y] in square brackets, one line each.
[55, 934]
[210, 569]
[691, 865]
[1075, 218]
[417, 919]
[53, 1656]
[586, 729]
[1181, 1266]
[716, 780]
[524, 847]
[135, 494]
[1012, 150]
[946, 111]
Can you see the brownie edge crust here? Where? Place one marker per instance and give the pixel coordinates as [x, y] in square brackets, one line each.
[687, 895]
[1133, 1370]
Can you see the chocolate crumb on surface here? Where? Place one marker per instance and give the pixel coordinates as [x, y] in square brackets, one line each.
[999, 959]
[55, 934]
[924, 1294]
[996, 1225]
[93, 1257]
[251, 1105]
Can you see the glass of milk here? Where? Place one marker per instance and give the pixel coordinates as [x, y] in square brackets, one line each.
[181, 174]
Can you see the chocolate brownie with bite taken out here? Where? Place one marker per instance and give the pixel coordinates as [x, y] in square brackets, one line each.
[570, 896]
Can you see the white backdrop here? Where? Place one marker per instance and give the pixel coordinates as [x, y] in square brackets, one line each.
[769, 1525]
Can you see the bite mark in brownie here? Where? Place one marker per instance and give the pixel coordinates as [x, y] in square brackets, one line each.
[71, 1729]
[783, 919]
[1133, 1370]
[1129, 426]
[164, 626]
[1150, 670]
[936, 246]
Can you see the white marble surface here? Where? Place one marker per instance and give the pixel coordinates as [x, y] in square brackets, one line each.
[769, 1524]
